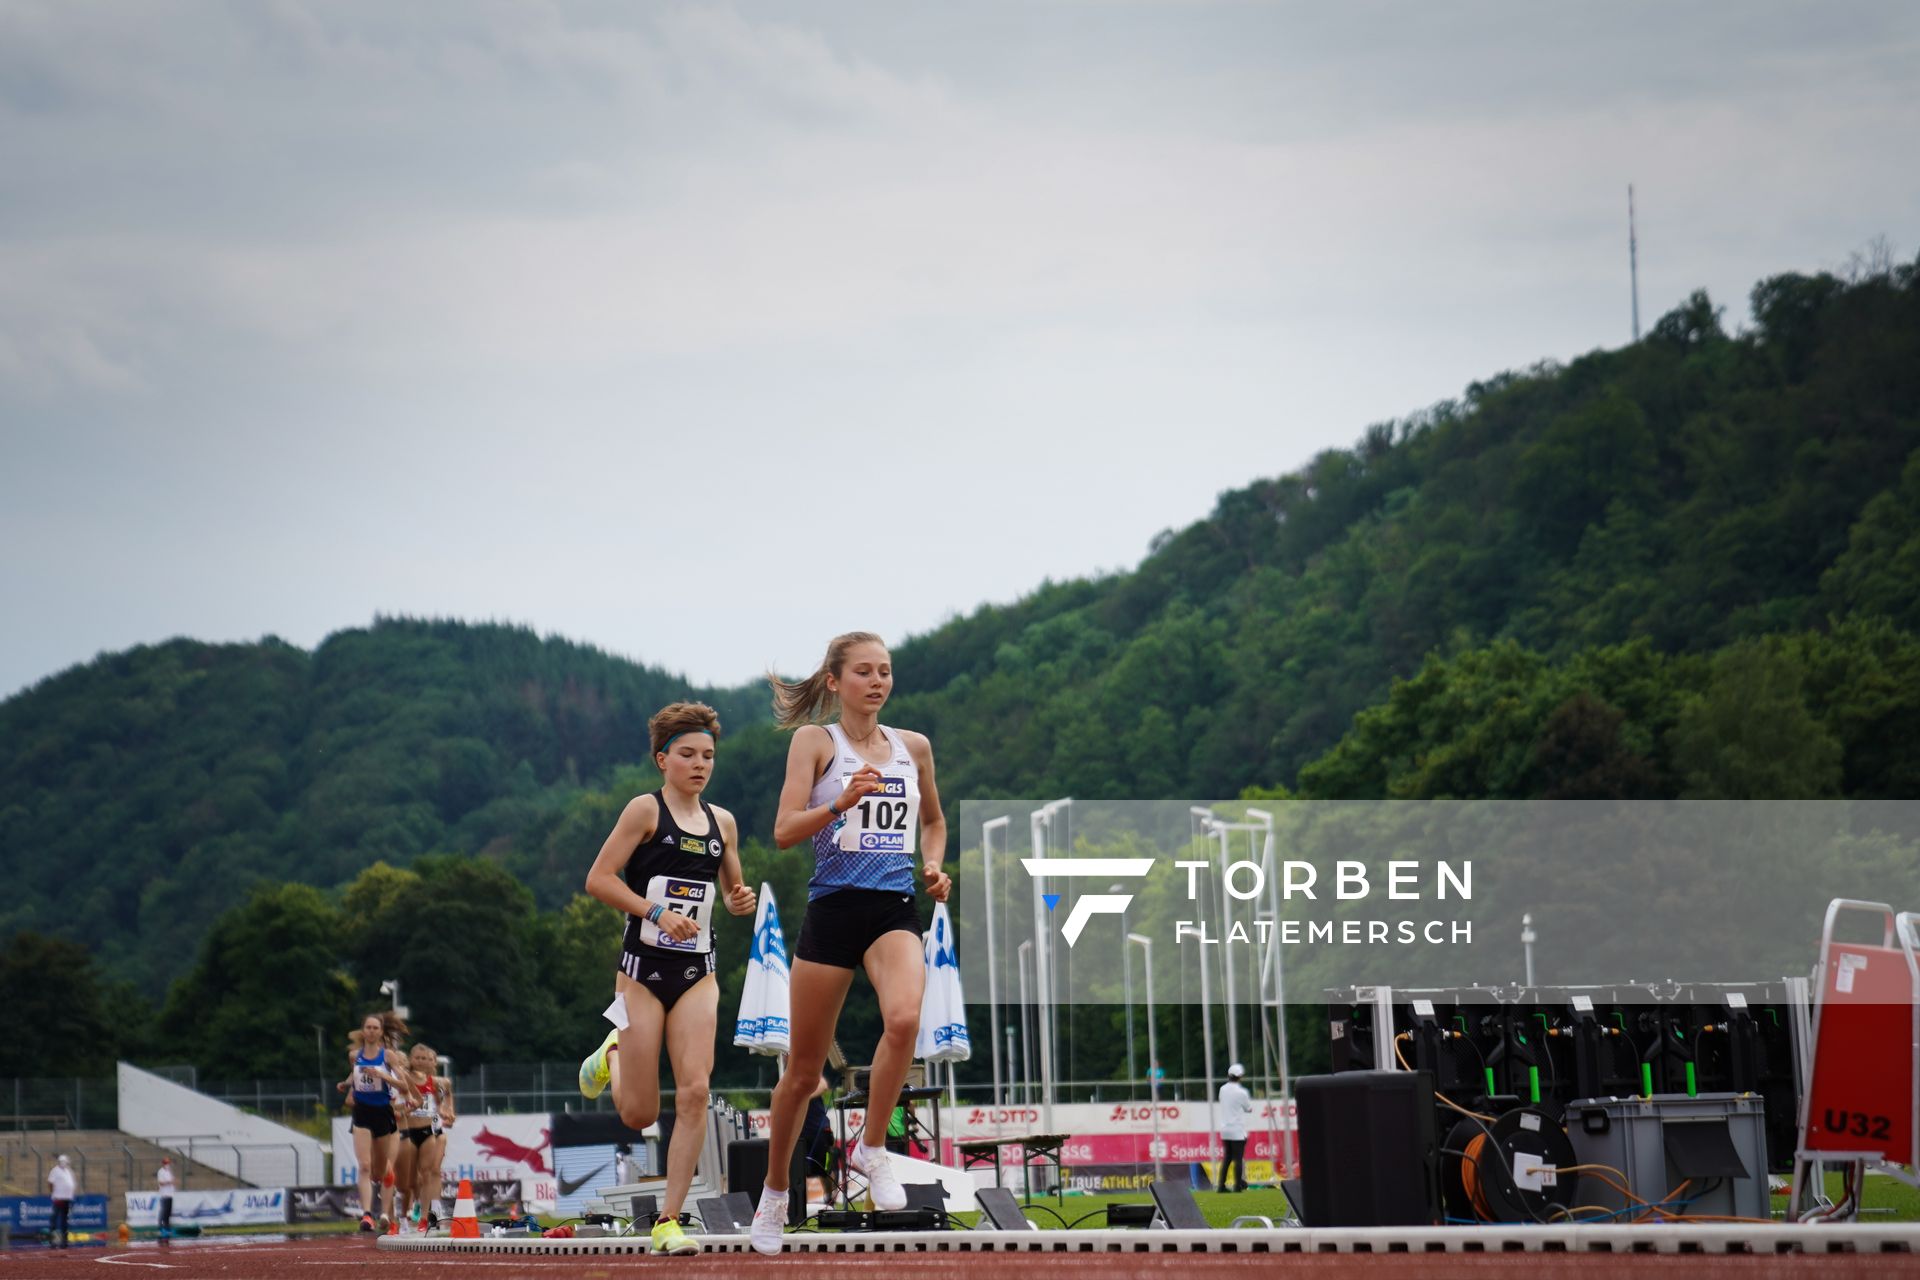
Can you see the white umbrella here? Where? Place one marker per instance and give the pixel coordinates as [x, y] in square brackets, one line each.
[762, 1024]
[943, 1009]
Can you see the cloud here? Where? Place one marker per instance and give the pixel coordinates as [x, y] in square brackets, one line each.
[419, 298]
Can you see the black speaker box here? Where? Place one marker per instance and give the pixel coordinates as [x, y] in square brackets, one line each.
[1369, 1154]
[747, 1171]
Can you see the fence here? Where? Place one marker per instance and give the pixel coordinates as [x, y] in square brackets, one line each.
[70, 1103]
[258, 1164]
[86, 1103]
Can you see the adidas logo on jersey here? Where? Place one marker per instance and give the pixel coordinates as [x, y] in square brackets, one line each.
[654, 976]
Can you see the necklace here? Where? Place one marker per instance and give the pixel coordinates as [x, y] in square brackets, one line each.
[861, 742]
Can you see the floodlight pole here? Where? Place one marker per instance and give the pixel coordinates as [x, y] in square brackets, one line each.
[1270, 861]
[1223, 831]
[1153, 1047]
[987, 831]
[1042, 972]
[1040, 829]
[1126, 969]
[1206, 1000]
[1023, 959]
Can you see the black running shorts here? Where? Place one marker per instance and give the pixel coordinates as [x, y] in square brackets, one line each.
[840, 926]
[666, 977]
[374, 1118]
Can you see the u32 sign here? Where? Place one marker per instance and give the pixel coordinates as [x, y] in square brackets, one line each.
[1859, 1124]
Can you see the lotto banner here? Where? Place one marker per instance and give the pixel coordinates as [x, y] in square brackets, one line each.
[487, 1148]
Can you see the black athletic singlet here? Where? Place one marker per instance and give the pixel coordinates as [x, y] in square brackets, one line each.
[679, 871]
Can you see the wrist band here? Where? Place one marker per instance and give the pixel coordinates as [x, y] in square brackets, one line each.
[832, 810]
[659, 909]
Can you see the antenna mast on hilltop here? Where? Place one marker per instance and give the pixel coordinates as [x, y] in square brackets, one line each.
[1633, 263]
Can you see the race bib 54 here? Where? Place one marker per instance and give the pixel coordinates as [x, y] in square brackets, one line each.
[691, 898]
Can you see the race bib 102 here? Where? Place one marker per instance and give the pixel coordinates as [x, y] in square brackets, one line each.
[888, 821]
[691, 898]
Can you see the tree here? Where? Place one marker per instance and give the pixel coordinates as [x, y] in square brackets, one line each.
[269, 971]
[1694, 323]
[464, 945]
[1749, 736]
[57, 1021]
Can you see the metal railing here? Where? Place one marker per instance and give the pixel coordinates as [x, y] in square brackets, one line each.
[70, 1102]
[258, 1164]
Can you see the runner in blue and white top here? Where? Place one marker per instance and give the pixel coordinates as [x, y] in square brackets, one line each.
[871, 846]
[377, 1079]
[863, 795]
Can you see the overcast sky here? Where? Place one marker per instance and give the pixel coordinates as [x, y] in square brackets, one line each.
[702, 332]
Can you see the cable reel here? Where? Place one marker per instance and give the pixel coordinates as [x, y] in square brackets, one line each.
[1507, 1171]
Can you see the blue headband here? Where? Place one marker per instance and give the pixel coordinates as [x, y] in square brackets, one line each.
[683, 733]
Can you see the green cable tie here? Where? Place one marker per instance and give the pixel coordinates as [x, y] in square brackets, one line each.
[1646, 1079]
[1533, 1079]
[1690, 1090]
[1489, 1071]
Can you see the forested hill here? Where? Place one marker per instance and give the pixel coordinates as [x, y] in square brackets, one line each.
[147, 791]
[1689, 566]
[1678, 497]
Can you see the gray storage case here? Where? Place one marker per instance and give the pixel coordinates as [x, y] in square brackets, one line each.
[1716, 1143]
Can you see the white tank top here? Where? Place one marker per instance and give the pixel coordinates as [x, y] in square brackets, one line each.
[873, 845]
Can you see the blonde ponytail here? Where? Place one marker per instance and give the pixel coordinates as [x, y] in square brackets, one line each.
[810, 700]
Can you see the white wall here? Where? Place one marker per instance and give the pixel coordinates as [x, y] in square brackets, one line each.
[247, 1147]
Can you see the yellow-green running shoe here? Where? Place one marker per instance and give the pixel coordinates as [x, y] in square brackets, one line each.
[669, 1238]
[594, 1071]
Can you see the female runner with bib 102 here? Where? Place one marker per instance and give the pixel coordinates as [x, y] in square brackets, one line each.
[670, 846]
[861, 793]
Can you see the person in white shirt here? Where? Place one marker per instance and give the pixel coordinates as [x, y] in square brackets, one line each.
[1236, 1106]
[60, 1186]
[163, 1184]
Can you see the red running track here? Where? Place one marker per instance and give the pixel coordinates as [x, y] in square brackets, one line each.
[351, 1257]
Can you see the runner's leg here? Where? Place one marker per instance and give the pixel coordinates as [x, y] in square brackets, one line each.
[636, 1065]
[689, 1035]
[896, 965]
[815, 997]
[363, 1153]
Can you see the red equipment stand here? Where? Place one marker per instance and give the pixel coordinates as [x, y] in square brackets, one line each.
[1858, 1108]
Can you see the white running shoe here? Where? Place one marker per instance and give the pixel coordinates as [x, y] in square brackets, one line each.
[769, 1221]
[883, 1184]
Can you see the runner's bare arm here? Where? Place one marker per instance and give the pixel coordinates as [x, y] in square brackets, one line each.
[604, 879]
[933, 822]
[740, 898]
[809, 755]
